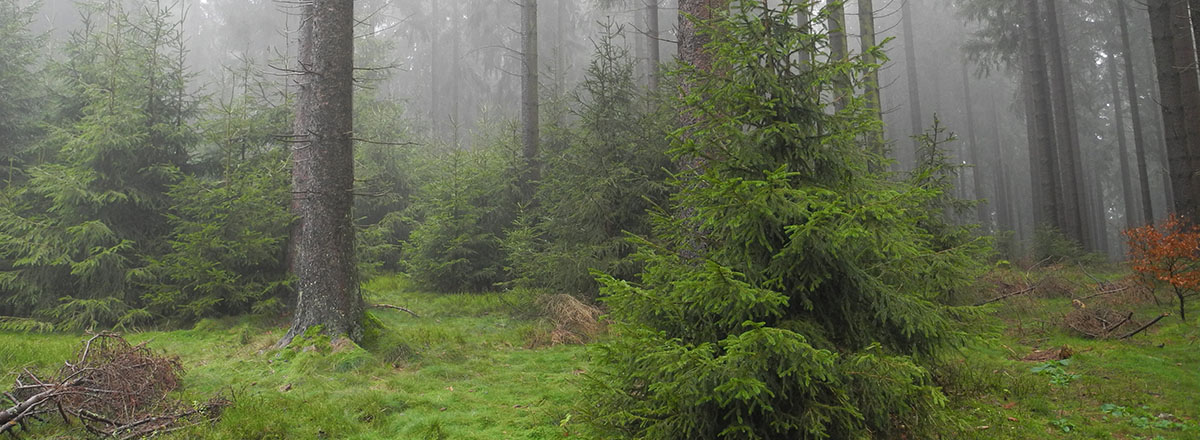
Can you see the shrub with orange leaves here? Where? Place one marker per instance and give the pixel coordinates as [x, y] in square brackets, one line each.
[1168, 253]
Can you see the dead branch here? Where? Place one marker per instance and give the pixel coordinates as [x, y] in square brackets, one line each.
[1105, 292]
[1148, 324]
[1007, 295]
[389, 306]
[114, 389]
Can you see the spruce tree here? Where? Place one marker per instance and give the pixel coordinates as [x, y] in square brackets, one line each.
[805, 306]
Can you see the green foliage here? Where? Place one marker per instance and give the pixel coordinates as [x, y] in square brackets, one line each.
[19, 104]
[75, 233]
[462, 207]
[385, 183]
[1057, 372]
[792, 293]
[1051, 244]
[228, 244]
[597, 185]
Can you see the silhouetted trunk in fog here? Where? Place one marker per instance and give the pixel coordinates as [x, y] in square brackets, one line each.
[456, 69]
[1073, 202]
[652, 40]
[323, 175]
[1004, 211]
[838, 50]
[1131, 211]
[1139, 141]
[529, 92]
[435, 74]
[981, 211]
[910, 66]
[1171, 50]
[866, 30]
[1043, 158]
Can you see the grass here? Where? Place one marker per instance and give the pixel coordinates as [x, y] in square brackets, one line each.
[460, 371]
[1155, 375]
[465, 370]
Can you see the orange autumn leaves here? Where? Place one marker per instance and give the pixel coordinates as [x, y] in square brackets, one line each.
[1168, 252]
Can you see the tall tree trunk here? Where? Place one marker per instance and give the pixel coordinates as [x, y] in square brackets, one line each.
[1173, 79]
[867, 42]
[910, 66]
[1043, 160]
[1189, 77]
[838, 49]
[1004, 211]
[652, 37]
[1073, 206]
[323, 175]
[456, 62]
[1139, 140]
[435, 74]
[529, 93]
[1131, 210]
[981, 210]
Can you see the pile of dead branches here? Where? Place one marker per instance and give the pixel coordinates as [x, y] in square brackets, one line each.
[111, 388]
[1099, 322]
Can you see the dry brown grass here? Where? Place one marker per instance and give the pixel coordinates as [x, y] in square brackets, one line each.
[573, 321]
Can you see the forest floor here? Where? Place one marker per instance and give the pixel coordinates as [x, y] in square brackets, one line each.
[477, 366]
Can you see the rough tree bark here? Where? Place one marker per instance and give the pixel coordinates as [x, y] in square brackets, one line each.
[1139, 139]
[529, 92]
[1172, 83]
[1042, 158]
[323, 175]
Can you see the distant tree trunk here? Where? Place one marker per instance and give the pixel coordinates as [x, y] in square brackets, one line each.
[867, 41]
[1131, 211]
[435, 74]
[838, 50]
[652, 37]
[1139, 141]
[981, 211]
[456, 69]
[910, 66]
[323, 175]
[1170, 50]
[529, 92]
[1043, 159]
[1004, 210]
[1073, 204]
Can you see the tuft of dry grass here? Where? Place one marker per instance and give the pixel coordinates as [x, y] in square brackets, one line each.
[574, 321]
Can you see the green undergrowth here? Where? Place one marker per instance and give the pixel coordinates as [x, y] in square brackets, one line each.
[1144, 387]
[463, 370]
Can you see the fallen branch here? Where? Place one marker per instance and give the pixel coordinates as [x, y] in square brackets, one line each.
[1106, 292]
[1148, 324]
[1007, 295]
[389, 306]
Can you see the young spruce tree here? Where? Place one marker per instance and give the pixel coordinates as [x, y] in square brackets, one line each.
[794, 298]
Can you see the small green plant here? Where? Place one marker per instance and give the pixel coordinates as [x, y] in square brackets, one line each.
[1063, 424]
[1142, 418]
[1055, 369]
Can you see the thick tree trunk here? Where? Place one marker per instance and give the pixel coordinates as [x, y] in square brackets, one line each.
[1131, 209]
[1139, 139]
[652, 37]
[910, 66]
[1004, 217]
[867, 41]
[1043, 159]
[529, 93]
[1172, 79]
[1189, 78]
[323, 175]
[1073, 205]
